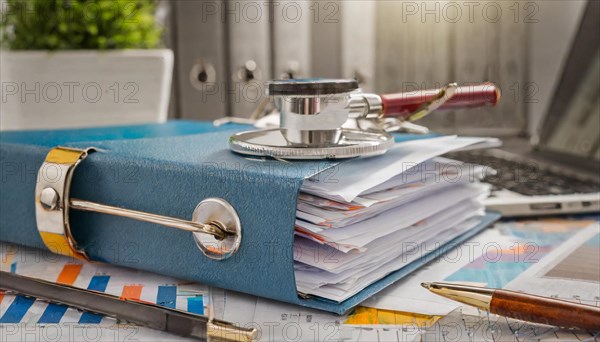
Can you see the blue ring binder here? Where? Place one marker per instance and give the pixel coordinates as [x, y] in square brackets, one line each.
[167, 169]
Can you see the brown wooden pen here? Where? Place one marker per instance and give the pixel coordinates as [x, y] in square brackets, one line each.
[522, 306]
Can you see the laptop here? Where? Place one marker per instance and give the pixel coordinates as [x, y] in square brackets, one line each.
[557, 172]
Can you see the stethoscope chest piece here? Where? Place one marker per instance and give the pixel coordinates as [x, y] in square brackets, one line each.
[312, 113]
[273, 143]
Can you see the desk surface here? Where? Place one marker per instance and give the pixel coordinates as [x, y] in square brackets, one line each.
[382, 319]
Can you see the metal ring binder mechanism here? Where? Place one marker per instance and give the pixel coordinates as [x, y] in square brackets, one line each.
[215, 224]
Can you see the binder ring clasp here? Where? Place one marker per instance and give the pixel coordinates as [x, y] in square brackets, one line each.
[215, 225]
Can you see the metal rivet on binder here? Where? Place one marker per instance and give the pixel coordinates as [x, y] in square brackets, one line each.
[215, 224]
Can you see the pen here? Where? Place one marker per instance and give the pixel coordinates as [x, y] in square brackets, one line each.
[522, 306]
[414, 105]
[138, 312]
[466, 96]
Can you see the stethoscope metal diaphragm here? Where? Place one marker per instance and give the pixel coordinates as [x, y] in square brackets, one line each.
[312, 112]
[273, 143]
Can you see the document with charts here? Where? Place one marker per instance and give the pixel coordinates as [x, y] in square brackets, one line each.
[571, 272]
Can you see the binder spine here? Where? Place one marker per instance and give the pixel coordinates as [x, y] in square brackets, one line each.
[249, 54]
[124, 174]
[263, 264]
[291, 39]
[358, 42]
[201, 59]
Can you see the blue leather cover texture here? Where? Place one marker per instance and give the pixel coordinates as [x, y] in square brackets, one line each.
[52, 138]
[168, 169]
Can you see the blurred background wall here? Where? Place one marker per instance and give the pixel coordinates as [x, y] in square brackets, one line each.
[226, 50]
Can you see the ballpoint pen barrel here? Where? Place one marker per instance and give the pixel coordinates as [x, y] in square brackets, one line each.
[522, 306]
[468, 96]
[545, 310]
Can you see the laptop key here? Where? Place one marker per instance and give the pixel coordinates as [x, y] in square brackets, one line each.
[526, 178]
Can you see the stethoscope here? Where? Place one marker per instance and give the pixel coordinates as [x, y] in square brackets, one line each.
[315, 116]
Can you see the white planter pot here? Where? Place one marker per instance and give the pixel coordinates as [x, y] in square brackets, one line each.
[66, 89]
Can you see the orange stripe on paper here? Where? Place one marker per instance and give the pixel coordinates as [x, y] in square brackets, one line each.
[1, 296]
[372, 316]
[69, 273]
[310, 233]
[132, 292]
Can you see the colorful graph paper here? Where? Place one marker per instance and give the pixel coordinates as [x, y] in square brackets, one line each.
[122, 282]
[533, 240]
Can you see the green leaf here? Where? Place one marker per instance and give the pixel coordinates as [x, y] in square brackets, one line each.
[79, 24]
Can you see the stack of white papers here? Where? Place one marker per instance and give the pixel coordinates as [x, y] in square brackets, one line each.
[373, 216]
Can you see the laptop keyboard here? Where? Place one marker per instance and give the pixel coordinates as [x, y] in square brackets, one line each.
[526, 177]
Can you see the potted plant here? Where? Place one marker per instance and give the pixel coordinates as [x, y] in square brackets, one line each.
[76, 63]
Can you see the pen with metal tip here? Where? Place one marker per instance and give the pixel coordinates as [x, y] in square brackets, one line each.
[133, 311]
[413, 105]
[522, 306]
